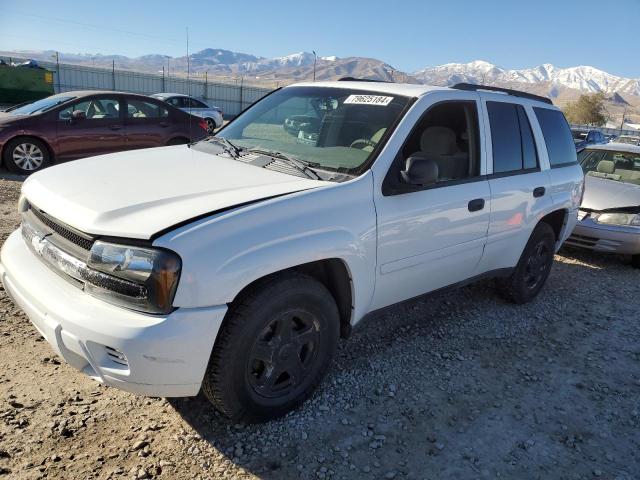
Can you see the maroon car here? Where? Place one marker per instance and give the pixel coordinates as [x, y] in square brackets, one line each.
[73, 125]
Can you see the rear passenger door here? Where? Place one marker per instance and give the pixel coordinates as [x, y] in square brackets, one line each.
[147, 123]
[518, 182]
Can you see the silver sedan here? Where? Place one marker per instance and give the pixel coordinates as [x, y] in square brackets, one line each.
[193, 106]
[609, 217]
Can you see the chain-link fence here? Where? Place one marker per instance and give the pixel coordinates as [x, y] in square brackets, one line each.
[233, 95]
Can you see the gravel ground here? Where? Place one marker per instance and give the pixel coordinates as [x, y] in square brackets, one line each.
[457, 386]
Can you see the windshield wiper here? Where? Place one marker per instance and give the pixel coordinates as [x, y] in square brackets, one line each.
[300, 165]
[229, 147]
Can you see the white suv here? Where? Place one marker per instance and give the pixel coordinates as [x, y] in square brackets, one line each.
[235, 264]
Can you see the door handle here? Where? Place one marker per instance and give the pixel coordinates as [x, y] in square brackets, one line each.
[164, 124]
[476, 204]
[115, 127]
[539, 192]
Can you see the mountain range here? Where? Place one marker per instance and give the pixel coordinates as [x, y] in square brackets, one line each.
[558, 83]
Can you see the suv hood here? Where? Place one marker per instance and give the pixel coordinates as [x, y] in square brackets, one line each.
[603, 194]
[139, 193]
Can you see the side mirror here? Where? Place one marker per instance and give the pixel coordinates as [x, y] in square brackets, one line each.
[79, 115]
[420, 170]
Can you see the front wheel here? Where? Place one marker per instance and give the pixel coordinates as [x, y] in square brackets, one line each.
[533, 268]
[635, 261]
[26, 155]
[275, 346]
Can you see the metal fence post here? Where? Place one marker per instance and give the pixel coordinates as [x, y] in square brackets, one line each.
[241, 99]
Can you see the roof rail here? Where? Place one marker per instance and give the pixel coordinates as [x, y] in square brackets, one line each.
[353, 79]
[516, 93]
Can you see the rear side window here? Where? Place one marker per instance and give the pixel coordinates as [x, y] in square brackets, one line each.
[513, 146]
[557, 136]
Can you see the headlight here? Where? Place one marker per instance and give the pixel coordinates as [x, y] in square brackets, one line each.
[150, 276]
[619, 219]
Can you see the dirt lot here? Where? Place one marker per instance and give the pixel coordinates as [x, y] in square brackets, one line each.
[459, 386]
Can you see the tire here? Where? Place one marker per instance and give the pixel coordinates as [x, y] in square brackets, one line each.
[211, 125]
[635, 261]
[177, 141]
[26, 155]
[274, 347]
[533, 268]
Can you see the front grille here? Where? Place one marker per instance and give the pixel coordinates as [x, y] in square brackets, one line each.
[81, 240]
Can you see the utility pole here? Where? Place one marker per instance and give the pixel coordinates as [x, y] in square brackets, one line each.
[315, 58]
[113, 74]
[163, 89]
[58, 70]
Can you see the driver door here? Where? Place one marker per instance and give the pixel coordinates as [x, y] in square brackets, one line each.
[433, 236]
[101, 131]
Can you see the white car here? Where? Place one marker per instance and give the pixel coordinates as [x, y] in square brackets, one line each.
[235, 264]
[212, 115]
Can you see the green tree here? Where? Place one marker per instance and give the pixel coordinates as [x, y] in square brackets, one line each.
[587, 110]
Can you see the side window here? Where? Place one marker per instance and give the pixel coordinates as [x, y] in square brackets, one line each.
[142, 109]
[175, 101]
[514, 148]
[447, 133]
[94, 109]
[193, 103]
[557, 136]
[529, 152]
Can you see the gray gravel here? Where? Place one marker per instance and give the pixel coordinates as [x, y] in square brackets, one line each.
[457, 386]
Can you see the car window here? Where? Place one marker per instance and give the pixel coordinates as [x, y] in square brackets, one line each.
[448, 134]
[177, 102]
[511, 138]
[529, 151]
[557, 136]
[94, 109]
[142, 109]
[193, 103]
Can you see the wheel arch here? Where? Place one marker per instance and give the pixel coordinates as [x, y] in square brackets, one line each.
[333, 273]
[557, 220]
[52, 156]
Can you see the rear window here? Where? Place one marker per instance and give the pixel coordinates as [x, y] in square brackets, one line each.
[557, 135]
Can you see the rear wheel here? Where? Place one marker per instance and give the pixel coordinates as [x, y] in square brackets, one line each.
[274, 348]
[635, 261]
[211, 125]
[26, 155]
[533, 268]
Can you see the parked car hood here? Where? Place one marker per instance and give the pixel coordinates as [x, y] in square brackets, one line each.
[603, 194]
[139, 193]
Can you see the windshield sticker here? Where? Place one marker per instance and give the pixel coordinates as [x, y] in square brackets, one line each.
[368, 100]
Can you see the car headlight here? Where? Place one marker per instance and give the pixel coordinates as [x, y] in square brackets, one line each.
[619, 219]
[149, 276]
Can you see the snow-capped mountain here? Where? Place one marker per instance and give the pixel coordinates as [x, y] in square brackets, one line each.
[584, 78]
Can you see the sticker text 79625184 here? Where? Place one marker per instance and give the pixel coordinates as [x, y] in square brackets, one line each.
[368, 100]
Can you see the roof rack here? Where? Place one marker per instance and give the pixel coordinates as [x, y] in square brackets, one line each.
[353, 79]
[516, 93]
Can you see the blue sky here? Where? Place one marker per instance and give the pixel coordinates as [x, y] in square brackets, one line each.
[406, 34]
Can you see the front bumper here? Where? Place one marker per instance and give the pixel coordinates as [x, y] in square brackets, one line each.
[605, 238]
[155, 355]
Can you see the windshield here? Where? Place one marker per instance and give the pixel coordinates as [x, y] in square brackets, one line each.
[618, 166]
[335, 129]
[40, 106]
